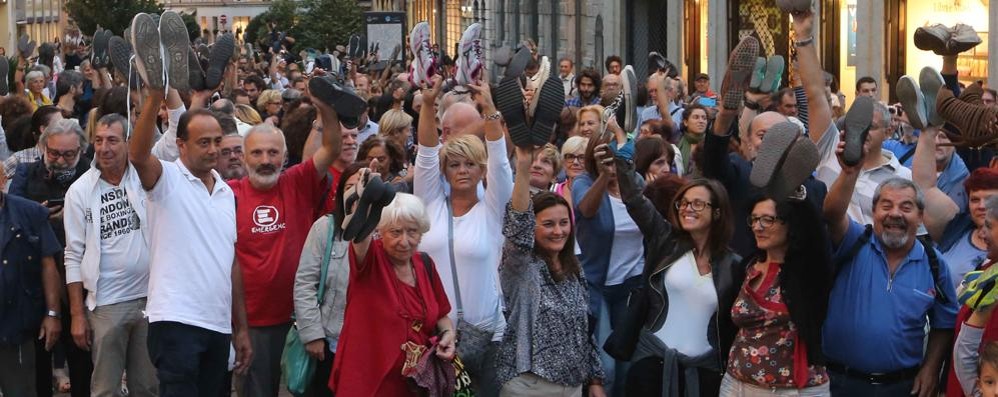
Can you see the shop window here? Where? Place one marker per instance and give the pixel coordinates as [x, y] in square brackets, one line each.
[972, 65]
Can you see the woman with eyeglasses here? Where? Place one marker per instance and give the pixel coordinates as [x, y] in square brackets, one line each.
[781, 304]
[573, 154]
[690, 281]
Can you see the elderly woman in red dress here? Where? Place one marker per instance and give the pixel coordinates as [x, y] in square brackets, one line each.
[394, 300]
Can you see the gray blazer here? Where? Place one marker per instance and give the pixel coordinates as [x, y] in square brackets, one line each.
[325, 321]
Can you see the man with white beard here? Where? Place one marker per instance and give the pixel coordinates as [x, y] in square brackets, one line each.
[274, 212]
[887, 284]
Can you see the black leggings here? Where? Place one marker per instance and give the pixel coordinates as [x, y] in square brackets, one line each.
[645, 379]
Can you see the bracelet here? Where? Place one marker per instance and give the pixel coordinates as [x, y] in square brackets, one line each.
[803, 43]
[749, 104]
[52, 313]
[493, 117]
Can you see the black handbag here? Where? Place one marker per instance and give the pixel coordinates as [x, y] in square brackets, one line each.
[624, 339]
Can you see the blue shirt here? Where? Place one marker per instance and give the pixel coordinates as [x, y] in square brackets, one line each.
[963, 257]
[876, 322]
[652, 113]
[900, 149]
[577, 102]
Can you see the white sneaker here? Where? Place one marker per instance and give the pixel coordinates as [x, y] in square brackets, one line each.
[469, 65]
[422, 66]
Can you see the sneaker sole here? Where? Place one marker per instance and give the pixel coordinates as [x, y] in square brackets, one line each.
[217, 60]
[344, 102]
[509, 100]
[912, 101]
[858, 120]
[518, 64]
[146, 43]
[800, 162]
[772, 153]
[551, 100]
[739, 72]
[173, 34]
[630, 85]
[774, 71]
[930, 81]
[121, 54]
[758, 73]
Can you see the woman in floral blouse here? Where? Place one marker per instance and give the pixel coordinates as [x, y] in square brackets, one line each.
[781, 305]
[543, 285]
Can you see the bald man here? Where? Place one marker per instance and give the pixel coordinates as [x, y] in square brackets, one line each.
[733, 170]
[459, 119]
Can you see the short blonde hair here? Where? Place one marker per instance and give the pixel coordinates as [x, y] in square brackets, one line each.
[591, 108]
[576, 144]
[393, 121]
[550, 153]
[267, 96]
[247, 114]
[467, 146]
[405, 208]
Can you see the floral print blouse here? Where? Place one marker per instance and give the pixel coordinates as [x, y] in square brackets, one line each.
[768, 351]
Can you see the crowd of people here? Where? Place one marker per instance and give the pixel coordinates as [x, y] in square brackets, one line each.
[187, 218]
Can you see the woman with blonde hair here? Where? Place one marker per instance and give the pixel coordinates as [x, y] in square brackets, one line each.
[269, 103]
[544, 168]
[396, 126]
[248, 115]
[590, 121]
[465, 237]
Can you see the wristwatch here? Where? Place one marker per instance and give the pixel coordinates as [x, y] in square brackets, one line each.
[52, 313]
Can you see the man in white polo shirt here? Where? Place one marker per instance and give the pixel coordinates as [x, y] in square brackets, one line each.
[195, 302]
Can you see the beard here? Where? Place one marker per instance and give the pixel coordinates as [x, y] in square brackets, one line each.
[890, 237]
[265, 175]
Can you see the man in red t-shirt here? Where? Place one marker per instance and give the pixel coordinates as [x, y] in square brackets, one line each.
[953, 388]
[274, 212]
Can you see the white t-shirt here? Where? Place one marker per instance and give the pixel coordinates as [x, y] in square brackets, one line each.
[124, 259]
[478, 238]
[692, 303]
[627, 254]
[861, 204]
[193, 235]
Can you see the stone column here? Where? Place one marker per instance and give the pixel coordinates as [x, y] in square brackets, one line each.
[870, 59]
[992, 44]
[717, 41]
[674, 43]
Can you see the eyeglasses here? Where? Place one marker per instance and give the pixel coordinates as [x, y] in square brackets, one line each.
[696, 205]
[574, 157]
[765, 221]
[228, 152]
[69, 154]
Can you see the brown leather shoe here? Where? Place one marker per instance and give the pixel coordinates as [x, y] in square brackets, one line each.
[978, 124]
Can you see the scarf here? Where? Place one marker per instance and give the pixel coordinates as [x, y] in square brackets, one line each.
[38, 102]
[686, 148]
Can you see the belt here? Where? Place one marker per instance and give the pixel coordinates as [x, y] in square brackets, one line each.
[874, 378]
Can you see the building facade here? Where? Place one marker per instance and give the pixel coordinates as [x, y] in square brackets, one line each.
[43, 20]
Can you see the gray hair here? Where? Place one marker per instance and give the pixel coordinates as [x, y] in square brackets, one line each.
[225, 106]
[405, 208]
[115, 118]
[885, 115]
[34, 74]
[991, 206]
[265, 128]
[898, 183]
[62, 127]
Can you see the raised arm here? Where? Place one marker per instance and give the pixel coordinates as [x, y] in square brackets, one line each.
[166, 147]
[644, 214]
[819, 111]
[141, 142]
[939, 207]
[427, 129]
[839, 196]
[332, 138]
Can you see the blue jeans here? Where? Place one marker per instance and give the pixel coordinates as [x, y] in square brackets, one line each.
[190, 361]
[609, 307]
[845, 385]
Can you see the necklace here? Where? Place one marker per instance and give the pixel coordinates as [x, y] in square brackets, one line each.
[415, 323]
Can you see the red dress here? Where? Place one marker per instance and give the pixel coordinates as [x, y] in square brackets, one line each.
[383, 313]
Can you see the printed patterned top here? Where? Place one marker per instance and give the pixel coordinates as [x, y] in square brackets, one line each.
[768, 351]
[564, 354]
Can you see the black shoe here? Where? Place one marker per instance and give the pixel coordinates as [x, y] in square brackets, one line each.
[121, 54]
[519, 63]
[858, 120]
[4, 75]
[550, 103]
[785, 160]
[195, 73]
[374, 197]
[509, 101]
[343, 100]
[221, 52]
[354, 49]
